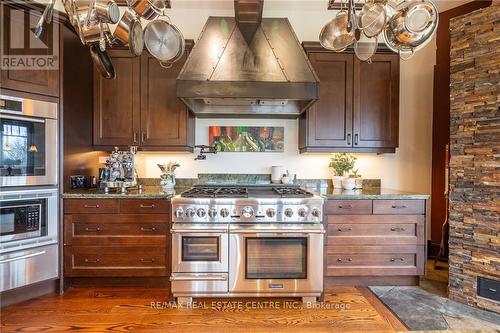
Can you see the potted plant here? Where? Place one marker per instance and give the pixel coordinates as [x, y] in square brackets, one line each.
[341, 163]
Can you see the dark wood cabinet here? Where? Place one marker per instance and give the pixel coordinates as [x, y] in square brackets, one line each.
[358, 106]
[165, 119]
[376, 102]
[140, 107]
[22, 47]
[329, 121]
[117, 102]
[116, 238]
[372, 242]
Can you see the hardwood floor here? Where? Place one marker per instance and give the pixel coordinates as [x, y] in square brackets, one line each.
[346, 309]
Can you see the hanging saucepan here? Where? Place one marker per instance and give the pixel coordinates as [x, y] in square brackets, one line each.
[102, 62]
[147, 9]
[164, 41]
[129, 32]
[334, 35]
[107, 11]
[411, 27]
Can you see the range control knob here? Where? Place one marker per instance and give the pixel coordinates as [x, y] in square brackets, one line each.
[288, 212]
[247, 211]
[190, 212]
[224, 212]
[201, 212]
[270, 212]
[212, 212]
[302, 212]
[315, 212]
[179, 213]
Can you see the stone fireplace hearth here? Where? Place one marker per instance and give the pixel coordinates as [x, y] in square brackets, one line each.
[475, 150]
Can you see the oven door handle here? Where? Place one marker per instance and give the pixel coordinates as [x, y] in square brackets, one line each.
[194, 277]
[26, 256]
[198, 231]
[23, 118]
[274, 233]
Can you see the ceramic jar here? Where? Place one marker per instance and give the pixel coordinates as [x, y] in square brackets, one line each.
[337, 181]
[167, 181]
[348, 183]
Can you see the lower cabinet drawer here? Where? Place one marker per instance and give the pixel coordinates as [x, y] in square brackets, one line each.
[375, 261]
[399, 207]
[90, 234]
[114, 261]
[199, 283]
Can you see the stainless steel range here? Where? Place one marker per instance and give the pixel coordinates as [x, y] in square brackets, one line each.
[247, 241]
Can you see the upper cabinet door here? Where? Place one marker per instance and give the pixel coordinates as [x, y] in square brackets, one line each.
[330, 119]
[117, 102]
[164, 117]
[20, 43]
[376, 106]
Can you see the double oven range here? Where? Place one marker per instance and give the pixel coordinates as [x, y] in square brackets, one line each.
[28, 191]
[255, 241]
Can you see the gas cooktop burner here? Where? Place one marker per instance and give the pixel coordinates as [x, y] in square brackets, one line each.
[216, 192]
[292, 192]
[246, 192]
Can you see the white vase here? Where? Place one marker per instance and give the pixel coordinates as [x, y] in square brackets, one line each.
[337, 181]
[348, 183]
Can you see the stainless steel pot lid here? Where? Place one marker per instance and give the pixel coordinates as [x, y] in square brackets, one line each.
[420, 16]
[163, 40]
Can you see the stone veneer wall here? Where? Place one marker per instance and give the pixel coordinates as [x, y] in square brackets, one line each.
[475, 154]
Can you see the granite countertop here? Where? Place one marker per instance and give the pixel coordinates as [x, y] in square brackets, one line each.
[154, 192]
[370, 193]
[147, 192]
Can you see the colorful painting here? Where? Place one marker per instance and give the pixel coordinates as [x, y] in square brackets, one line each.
[247, 139]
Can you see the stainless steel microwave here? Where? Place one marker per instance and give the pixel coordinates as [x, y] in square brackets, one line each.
[28, 218]
[29, 142]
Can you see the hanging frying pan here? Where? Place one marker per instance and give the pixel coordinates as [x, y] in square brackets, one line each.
[102, 62]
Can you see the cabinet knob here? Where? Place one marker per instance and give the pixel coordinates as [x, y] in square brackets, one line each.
[143, 137]
[135, 137]
[148, 229]
[356, 137]
[96, 229]
[397, 229]
[397, 259]
[398, 206]
[346, 229]
[349, 139]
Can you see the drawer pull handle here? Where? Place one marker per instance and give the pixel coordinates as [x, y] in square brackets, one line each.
[346, 229]
[492, 290]
[399, 206]
[147, 206]
[147, 260]
[91, 206]
[398, 229]
[340, 259]
[397, 259]
[148, 229]
[345, 206]
[92, 261]
[97, 229]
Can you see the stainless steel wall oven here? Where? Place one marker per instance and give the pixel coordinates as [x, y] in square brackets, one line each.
[28, 140]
